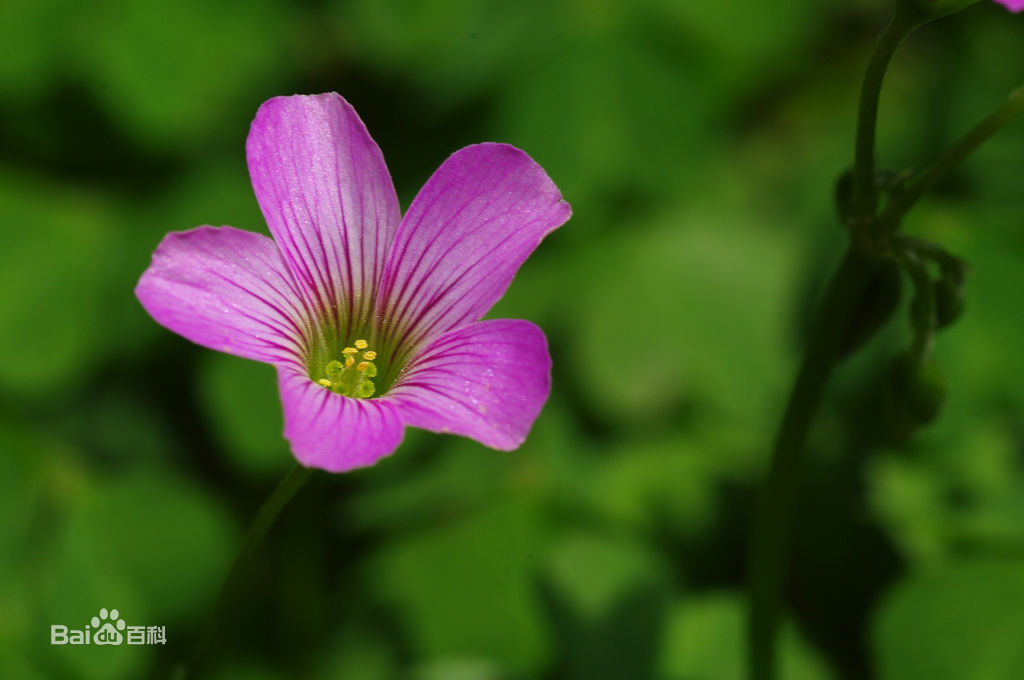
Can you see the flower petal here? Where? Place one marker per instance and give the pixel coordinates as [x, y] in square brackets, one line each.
[463, 239]
[487, 380]
[328, 199]
[226, 289]
[1012, 5]
[331, 431]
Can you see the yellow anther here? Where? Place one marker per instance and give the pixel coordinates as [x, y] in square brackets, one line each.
[349, 361]
[325, 382]
[349, 350]
[362, 344]
[370, 356]
[362, 366]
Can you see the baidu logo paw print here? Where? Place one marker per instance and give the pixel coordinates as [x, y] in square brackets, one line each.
[108, 628]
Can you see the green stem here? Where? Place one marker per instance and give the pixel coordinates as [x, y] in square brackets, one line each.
[955, 155]
[775, 505]
[776, 502]
[265, 517]
[864, 190]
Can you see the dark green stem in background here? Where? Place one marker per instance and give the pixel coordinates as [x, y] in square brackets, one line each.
[776, 502]
[773, 512]
[265, 517]
[864, 190]
[954, 155]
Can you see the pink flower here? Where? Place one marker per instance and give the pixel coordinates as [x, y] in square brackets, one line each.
[371, 319]
[1012, 5]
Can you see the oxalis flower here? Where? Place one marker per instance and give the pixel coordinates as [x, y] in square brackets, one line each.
[1012, 5]
[371, 319]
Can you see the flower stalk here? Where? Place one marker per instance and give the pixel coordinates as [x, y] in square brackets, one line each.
[268, 513]
[954, 156]
[776, 503]
[865, 193]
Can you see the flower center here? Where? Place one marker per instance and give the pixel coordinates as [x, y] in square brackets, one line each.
[351, 376]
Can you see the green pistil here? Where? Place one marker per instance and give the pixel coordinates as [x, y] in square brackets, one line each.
[351, 377]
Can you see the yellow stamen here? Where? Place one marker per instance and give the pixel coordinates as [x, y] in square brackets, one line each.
[351, 376]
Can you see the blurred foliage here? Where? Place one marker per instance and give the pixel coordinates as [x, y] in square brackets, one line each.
[697, 142]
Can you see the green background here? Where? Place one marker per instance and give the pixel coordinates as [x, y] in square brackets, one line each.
[698, 142]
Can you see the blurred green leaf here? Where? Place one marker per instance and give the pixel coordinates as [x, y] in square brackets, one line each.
[457, 669]
[24, 506]
[170, 71]
[992, 319]
[30, 47]
[56, 255]
[240, 400]
[908, 501]
[15, 665]
[464, 589]
[242, 670]
[461, 477]
[701, 304]
[606, 598]
[357, 652]
[705, 640]
[594, 573]
[740, 41]
[149, 544]
[936, 502]
[116, 425]
[20, 493]
[963, 620]
[669, 482]
[454, 47]
[607, 118]
[215, 190]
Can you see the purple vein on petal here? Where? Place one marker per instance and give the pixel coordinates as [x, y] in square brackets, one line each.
[407, 298]
[328, 199]
[487, 380]
[420, 321]
[289, 296]
[505, 181]
[227, 289]
[295, 330]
